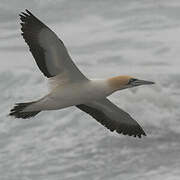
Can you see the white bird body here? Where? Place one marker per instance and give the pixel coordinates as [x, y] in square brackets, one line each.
[69, 87]
[71, 94]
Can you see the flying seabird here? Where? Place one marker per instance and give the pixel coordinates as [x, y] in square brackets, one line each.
[69, 86]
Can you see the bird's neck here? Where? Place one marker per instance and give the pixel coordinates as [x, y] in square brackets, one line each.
[118, 82]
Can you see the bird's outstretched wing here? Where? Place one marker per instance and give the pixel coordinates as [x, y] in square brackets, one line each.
[112, 117]
[47, 49]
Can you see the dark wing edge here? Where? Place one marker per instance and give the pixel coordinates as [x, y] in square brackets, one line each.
[30, 27]
[46, 54]
[121, 127]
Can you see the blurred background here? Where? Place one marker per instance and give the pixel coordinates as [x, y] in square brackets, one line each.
[105, 38]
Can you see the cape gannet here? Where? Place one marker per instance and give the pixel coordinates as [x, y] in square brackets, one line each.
[69, 86]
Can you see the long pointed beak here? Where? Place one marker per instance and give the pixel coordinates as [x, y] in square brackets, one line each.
[143, 82]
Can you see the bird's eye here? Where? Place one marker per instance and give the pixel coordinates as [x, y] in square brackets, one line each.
[132, 80]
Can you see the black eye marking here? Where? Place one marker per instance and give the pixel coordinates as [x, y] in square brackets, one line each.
[131, 80]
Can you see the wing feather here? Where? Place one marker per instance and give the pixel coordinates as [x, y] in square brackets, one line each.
[47, 49]
[112, 117]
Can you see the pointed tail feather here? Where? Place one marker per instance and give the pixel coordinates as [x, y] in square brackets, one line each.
[17, 111]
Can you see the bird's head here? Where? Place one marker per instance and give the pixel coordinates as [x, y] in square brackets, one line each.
[123, 82]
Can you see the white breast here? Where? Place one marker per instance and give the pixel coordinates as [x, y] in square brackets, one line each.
[77, 93]
[73, 94]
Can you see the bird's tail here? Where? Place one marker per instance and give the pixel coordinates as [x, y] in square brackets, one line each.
[17, 111]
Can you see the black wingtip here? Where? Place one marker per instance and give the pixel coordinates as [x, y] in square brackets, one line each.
[28, 12]
[134, 131]
[141, 135]
[25, 13]
[121, 128]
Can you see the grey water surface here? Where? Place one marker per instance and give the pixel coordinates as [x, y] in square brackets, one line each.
[105, 38]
